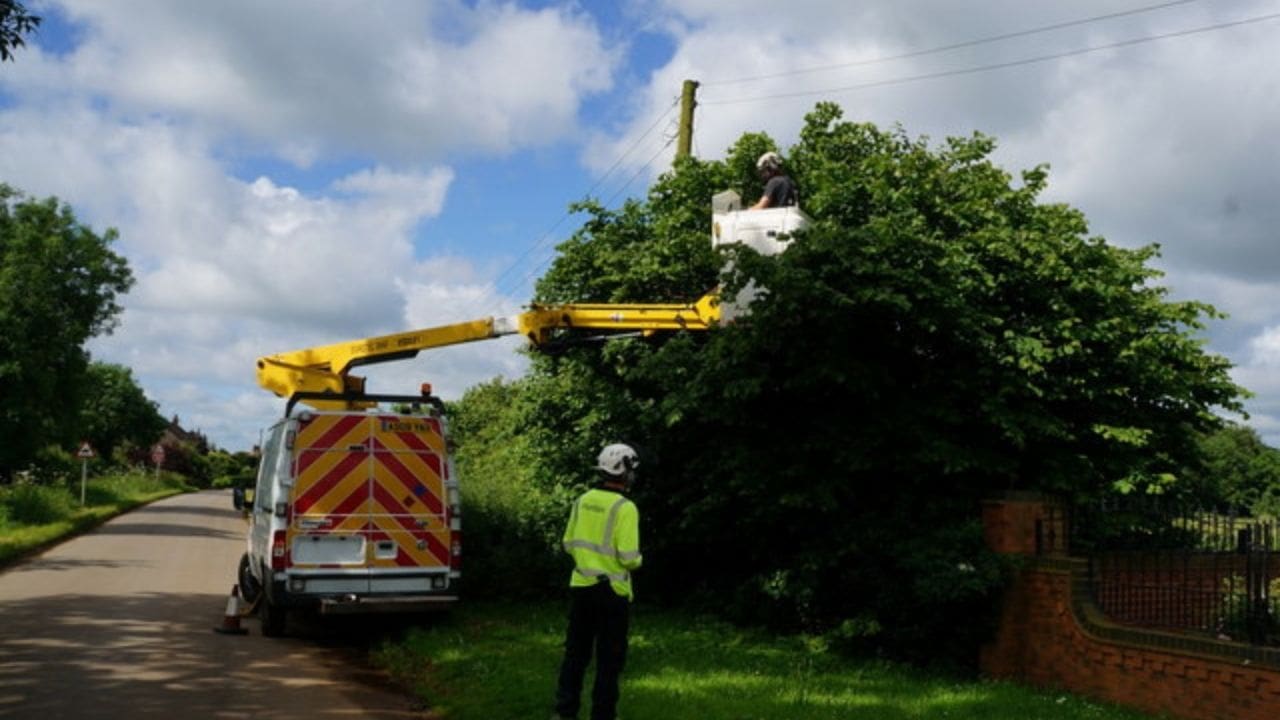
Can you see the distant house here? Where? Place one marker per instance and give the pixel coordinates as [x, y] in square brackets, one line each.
[175, 435]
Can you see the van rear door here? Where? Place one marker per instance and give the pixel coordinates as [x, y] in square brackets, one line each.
[331, 500]
[408, 525]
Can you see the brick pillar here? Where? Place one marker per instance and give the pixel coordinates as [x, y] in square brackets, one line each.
[1024, 525]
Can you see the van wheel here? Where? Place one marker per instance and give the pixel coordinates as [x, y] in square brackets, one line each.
[272, 617]
[250, 588]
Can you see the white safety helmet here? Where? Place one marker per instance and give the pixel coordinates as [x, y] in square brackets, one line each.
[617, 460]
[769, 161]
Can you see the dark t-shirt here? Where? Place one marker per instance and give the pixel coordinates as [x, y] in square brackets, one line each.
[781, 191]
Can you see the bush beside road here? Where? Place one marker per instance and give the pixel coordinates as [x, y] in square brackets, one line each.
[34, 516]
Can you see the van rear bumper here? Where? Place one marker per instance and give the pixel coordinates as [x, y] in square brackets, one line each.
[350, 594]
[386, 604]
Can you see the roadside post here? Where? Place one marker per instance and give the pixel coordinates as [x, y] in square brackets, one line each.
[85, 453]
[157, 457]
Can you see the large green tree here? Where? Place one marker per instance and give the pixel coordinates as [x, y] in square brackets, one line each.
[937, 336]
[59, 285]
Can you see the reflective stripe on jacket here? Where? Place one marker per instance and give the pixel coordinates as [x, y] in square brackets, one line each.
[603, 537]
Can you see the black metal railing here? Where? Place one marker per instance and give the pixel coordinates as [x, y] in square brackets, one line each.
[1207, 572]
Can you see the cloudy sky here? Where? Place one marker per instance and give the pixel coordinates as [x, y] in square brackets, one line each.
[298, 172]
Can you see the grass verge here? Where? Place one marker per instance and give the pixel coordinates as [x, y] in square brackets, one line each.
[493, 661]
[57, 516]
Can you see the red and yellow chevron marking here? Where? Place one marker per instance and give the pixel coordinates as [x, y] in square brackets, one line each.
[324, 432]
[329, 478]
[413, 478]
[382, 476]
[405, 494]
[434, 550]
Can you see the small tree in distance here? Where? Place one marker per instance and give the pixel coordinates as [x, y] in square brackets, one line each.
[116, 411]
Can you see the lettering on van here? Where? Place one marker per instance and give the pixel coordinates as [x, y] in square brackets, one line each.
[405, 426]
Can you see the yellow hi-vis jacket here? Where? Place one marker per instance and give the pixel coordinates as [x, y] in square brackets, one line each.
[603, 537]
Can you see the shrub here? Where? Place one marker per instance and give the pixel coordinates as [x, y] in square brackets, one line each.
[512, 524]
[55, 465]
[32, 504]
[232, 469]
[122, 488]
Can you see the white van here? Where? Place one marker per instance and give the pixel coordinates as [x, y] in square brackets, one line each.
[353, 511]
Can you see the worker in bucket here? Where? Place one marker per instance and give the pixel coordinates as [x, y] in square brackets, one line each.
[603, 537]
[779, 189]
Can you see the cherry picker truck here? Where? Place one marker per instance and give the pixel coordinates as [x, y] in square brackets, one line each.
[356, 508]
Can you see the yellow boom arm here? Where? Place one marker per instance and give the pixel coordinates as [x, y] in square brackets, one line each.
[326, 369]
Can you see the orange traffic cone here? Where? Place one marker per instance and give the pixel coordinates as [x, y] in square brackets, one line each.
[231, 618]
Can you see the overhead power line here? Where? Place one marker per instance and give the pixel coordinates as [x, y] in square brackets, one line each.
[643, 168]
[545, 237]
[542, 265]
[954, 46]
[996, 66]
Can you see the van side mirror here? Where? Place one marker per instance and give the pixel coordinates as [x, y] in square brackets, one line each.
[237, 498]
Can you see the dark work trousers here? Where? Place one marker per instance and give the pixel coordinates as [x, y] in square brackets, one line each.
[598, 617]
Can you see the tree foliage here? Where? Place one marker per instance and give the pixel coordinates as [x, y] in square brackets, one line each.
[937, 336]
[59, 284]
[15, 22]
[115, 412]
[1238, 470]
[232, 469]
[513, 524]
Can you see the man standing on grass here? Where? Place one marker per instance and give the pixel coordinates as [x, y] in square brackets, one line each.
[603, 537]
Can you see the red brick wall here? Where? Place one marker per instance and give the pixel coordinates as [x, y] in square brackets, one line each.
[1050, 636]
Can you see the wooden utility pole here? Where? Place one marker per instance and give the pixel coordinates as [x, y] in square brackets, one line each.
[684, 142]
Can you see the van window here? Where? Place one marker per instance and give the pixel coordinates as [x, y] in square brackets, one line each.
[264, 496]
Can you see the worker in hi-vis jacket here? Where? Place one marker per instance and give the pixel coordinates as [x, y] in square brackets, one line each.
[603, 537]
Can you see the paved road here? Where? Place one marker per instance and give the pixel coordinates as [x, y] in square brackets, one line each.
[118, 624]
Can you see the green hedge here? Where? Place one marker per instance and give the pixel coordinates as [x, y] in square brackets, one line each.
[34, 515]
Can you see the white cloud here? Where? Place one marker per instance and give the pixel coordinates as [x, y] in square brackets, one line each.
[1251, 302]
[1266, 348]
[300, 78]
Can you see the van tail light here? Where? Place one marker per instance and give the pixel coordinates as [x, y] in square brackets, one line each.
[279, 551]
[455, 531]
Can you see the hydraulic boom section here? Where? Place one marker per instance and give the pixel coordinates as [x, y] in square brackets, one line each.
[311, 374]
[326, 369]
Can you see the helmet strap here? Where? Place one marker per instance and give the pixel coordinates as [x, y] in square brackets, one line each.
[621, 482]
